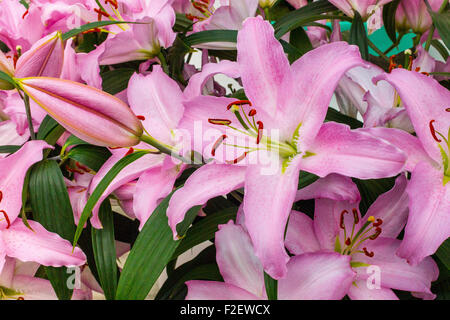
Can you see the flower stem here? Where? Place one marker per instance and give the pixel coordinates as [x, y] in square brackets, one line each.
[26, 101]
[163, 62]
[374, 48]
[163, 148]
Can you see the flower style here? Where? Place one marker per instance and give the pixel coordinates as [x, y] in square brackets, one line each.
[291, 102]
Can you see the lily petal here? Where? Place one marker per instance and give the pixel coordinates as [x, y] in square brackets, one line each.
[428, 222]
[316, 276]
[207, 182]
[352, 153]
[360, 291]
[300, 236]
[214, 290]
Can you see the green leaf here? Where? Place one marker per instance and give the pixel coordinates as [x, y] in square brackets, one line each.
[211, 36]
[271, 287]
[51, 208]
[202, 267]
[443, 253]
[104, 247]
[336, 116]
[443, 51]
[442, 24]
[300, 40]
[115, 81]
[101, 187]
[302, 16]
[204, 230]
[389, 11]
[9, 149]
[153, 249]
[92, 156]
[182, 24]
[370, 190]
[6, 77]
[305, 179]
[358, 36]
[89, 26]
[47, 125]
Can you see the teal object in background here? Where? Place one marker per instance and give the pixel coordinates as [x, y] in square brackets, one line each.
[382, 41]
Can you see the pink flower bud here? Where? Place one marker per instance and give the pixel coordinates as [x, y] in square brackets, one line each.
[91, 114]
[44, 59]
[413, 14]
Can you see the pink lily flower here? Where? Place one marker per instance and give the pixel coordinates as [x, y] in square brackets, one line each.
[17, 240]
[426, 102]
[244, 278]
[158, 102]
[413, 14]
[91, 114]
[18, 282]
[368, 242]
[291, 102]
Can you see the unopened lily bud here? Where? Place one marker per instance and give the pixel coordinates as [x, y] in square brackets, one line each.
[89, 113]
[266, 3]
[413, 14]
[44, 59]
[364, 7]
[7, 67]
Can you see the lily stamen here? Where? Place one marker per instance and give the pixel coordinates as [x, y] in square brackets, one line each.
[433, 131]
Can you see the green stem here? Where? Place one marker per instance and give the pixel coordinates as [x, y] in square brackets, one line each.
[267, 14]
[26, 101]
[374, 48]
[163, 62]
[394, 44]
[163, 148]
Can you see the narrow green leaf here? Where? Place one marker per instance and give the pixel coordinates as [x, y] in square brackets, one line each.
[92, 156]
[204, 230]
[336, 116]
[211, 36]
[47, 125]
[202, 267]
[115, 81]
[305, 179]
[150, 254]
[9, 149]
[6, 77]
[51, 207]
[101, 187]
[443, 51]
[300, 40]
[358, 36]
[443, 253]
[389, 11]
[89, 26]
[104, 247]
[271, 287]
[298, 18]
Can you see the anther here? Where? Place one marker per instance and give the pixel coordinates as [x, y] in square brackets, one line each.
[73, 170]
[217, 144]
[417, 69]
[341, 220]
[260, 131]
[378, 222]
[220, 122]
[425, 73]
[367, 253]
[113, 3]
[20, 298]
[433, 132]
[6, 218]
[448, 109]
[238, 159]
[1, 196]
[130, 151]
[348, 242]
[140, 117]
[101, 13]
[25, 14]
[355, 215]
[82, 167]
[252, 113]
[376, 234]
[239, 103]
